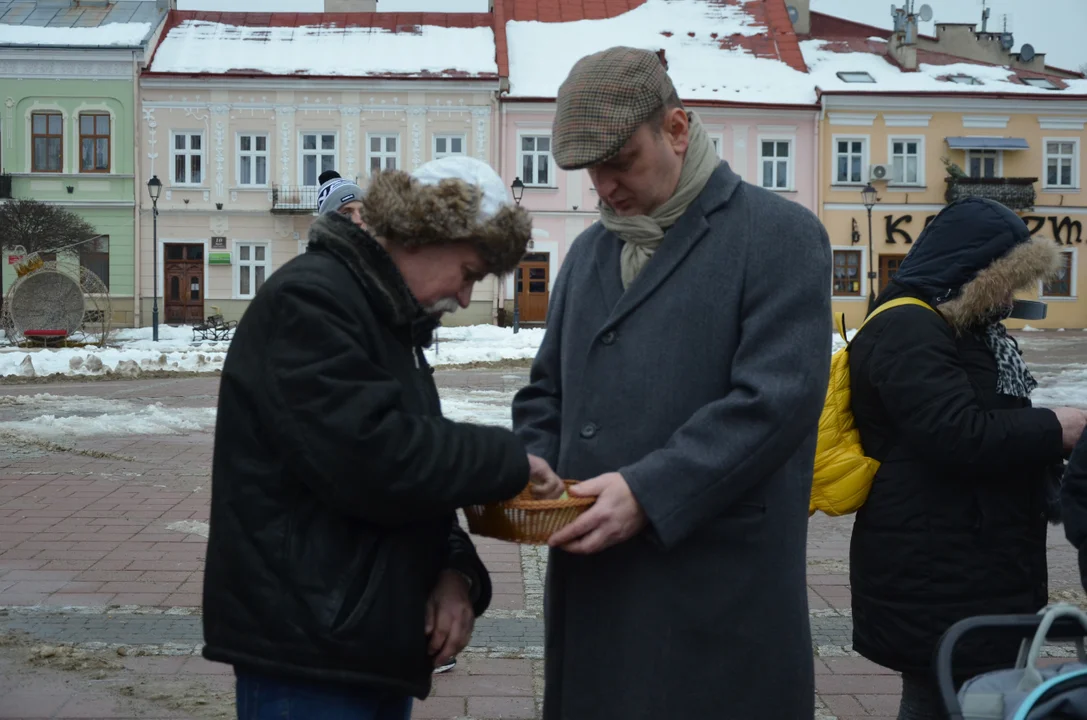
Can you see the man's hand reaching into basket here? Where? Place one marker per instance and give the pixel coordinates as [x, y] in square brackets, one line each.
[544, 483]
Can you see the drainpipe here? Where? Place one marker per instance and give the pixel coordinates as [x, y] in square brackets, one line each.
[137, 185]
[818, 164]
[500, 295]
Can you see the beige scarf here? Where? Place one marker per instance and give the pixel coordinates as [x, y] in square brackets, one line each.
[642, 234]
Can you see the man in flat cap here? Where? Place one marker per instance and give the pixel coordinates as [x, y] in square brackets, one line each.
[681, 380]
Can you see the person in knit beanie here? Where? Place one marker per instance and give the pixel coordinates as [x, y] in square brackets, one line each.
[338, 195]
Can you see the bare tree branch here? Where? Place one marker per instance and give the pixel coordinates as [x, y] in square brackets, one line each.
[40, 227]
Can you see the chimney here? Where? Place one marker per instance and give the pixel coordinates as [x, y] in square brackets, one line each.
[340, 6]
[801, 10]
[902, 45]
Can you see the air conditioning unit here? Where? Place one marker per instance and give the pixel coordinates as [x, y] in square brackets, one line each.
[879, 172]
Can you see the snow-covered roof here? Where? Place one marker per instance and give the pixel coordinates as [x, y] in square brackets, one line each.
[127, 23]
[934, 74]
[1053, 27]
[715, 50]
[411, 45]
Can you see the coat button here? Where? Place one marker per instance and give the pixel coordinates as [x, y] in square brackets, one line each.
[589, 431]
[608, 338]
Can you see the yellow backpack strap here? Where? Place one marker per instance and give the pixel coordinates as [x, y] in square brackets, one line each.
[890, 304]
[839, 323]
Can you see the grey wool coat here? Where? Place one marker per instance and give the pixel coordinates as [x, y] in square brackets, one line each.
[702, 384]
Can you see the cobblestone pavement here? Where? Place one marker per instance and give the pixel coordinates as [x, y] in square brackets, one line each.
[103, 509]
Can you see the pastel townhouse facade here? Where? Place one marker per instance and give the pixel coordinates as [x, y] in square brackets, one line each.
[737, 66]
[925, 127]
[67, 126]
[240, 114]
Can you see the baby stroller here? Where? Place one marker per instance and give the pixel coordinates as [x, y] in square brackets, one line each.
[1025, 692]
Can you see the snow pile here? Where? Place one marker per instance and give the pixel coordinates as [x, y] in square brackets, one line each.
[483, 407]
[197, 46]
[116, 34]
[60, 417]
[483, 343]
[126, 362]
[824, 62]
[690, 33]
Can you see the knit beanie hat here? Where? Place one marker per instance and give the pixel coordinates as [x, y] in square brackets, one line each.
[335, 192]
[454, 199]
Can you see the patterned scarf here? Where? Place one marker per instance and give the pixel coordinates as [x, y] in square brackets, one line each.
[1012, 376]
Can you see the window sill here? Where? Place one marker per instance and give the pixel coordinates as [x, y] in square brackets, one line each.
[906, 188]
[1061, 190]
[849, 298]
[182, 186]
[849, 185]
[1061, 299]
[541, 187]
[251, 188]
[779, 190]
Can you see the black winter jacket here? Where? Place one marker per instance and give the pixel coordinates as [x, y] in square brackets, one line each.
[335, 479]
[1074, 504]
[955, 523]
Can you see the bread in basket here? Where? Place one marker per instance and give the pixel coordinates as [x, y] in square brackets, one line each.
[524, 519]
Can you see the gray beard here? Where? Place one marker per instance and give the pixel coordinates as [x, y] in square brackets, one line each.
[445, 305]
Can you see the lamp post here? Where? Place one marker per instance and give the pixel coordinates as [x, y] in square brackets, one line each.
[154, 189]
[868, 197]
[518, 189]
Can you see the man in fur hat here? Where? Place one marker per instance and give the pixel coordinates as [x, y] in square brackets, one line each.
[337, 576]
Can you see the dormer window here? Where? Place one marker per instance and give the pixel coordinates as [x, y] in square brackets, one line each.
[1044, 83]
[965, 80]
[856, 77]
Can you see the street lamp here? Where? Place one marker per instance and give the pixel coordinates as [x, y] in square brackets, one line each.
[868, 197]
[518, 189]
[154, 189]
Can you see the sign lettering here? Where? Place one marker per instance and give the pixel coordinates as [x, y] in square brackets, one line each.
[218, 243]
[893, 229]
[1066, 231]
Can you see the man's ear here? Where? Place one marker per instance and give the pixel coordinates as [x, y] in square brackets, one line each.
[677, 128]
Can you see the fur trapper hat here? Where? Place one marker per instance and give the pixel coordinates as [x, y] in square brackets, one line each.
[455, 199]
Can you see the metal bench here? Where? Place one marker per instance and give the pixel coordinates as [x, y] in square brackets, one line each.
[214, 328]
[45, 337]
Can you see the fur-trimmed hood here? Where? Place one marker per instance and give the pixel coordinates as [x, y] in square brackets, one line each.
[971, 257]
[401, 209]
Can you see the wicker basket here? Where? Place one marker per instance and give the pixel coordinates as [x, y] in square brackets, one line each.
[525, 520]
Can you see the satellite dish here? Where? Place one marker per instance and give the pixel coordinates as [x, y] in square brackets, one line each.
[926, 13]
[793, 14]
[1006, 40]
[1026, 53]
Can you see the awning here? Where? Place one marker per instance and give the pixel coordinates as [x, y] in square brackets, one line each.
[987, 143]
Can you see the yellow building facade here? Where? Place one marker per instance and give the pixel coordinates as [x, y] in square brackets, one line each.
[919, 152]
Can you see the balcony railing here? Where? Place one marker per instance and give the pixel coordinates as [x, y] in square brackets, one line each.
[5, 187]
[291, 199]
[1016, 193]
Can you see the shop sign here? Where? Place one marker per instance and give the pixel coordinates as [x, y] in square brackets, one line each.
[219, 258]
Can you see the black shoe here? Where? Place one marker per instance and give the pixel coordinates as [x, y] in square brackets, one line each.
[446, 667]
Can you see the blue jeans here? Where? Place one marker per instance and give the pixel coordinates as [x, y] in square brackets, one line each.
[262, 697]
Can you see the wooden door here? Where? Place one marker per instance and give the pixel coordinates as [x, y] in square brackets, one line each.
[183, 284]
[534, 287]
[888, 268]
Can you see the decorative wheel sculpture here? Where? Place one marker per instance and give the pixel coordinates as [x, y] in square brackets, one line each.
[59, 299]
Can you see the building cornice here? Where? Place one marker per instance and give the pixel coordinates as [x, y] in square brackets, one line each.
[75, 64]
[914, 103]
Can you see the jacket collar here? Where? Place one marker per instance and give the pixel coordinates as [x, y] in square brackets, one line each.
[678, 242]
[377, 274]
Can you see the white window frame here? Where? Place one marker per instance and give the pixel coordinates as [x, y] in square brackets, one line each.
[384, 154]
[1075, 162]
[999, 161]
[237, 263]
[862, 272]
[303, 153]
[866, 154]
[436, 155]
[239, 154]
[790, 161]
[203, 152]
[718, 140]
[551, 167]
[1074, 252]
[920, 140]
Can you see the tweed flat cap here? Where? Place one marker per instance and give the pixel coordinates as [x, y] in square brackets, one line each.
[606, 97]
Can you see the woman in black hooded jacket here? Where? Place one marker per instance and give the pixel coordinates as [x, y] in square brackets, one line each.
[955, 523]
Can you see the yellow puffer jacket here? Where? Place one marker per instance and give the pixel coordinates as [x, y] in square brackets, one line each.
[843, 473]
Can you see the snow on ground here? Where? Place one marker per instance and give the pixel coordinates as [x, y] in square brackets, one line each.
[483, 407]
[54, 417]
[483, 343]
